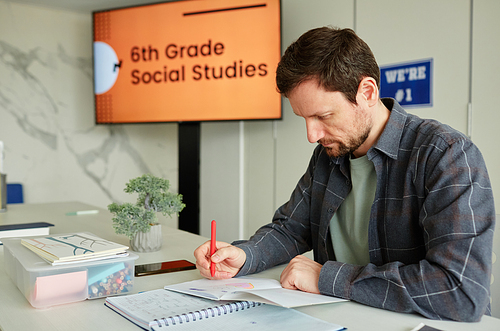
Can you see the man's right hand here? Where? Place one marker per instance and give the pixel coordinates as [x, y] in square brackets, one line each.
[228, 260]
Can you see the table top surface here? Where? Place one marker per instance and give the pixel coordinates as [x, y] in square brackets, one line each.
[16, 313]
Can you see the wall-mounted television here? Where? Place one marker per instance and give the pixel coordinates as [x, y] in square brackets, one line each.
[187, 61]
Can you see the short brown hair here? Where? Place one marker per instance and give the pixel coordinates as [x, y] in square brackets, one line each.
[338, 58]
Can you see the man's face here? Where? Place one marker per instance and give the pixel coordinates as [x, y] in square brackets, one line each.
[331, 120]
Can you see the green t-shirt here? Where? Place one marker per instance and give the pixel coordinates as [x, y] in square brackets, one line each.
[349, 225]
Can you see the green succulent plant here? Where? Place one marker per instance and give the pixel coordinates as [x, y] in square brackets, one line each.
[153, 198]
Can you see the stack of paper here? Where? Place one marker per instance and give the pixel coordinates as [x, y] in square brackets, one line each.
[74, 248]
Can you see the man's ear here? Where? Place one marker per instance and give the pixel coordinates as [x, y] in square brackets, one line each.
[368, 90]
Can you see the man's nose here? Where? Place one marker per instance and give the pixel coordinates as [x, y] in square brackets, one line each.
[314, 130]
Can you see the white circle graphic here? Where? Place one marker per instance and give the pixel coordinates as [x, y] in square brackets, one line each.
[106, 67]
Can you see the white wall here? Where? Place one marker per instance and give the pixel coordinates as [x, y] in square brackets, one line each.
[485, 118]
[219, 178]
[415, 30]
[47, 117]
[485, 72]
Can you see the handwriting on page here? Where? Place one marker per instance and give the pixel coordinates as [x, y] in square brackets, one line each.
[159, 304]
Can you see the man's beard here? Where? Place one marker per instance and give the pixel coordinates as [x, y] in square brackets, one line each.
[347, 148]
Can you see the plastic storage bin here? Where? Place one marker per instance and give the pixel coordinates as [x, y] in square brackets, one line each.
[45, 285]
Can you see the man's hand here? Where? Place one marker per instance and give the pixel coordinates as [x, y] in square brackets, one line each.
[228, 260]
[301, 274]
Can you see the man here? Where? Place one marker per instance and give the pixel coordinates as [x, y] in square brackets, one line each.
[398, 210]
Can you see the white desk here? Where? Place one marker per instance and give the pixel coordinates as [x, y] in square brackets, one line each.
[17, 314]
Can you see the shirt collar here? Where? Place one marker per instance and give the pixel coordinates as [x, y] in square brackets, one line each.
[389, 141]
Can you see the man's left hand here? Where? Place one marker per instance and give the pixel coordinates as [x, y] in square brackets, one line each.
[301, 274]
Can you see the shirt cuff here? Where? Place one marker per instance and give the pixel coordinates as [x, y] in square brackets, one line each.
[246, 269]
[335, 279]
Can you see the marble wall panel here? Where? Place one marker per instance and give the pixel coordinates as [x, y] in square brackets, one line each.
[52, 145]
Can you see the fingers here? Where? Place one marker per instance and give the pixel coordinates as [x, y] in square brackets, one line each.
[230, 254]
[301, 274]
[202, 255]
[228, 259]
[285, 283]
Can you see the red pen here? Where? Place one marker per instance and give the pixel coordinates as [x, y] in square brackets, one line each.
[213, 247]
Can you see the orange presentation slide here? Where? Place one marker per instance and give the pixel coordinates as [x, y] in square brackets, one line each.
[194, 60]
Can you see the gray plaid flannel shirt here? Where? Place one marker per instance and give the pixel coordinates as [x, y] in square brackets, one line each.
[430, 230]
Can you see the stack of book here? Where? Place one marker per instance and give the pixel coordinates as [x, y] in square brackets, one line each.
[74, 248]
[24, 230]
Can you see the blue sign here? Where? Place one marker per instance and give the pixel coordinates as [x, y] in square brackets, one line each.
[409, 83]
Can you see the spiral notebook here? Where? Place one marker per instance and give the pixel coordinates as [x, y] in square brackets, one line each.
[164, 310]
